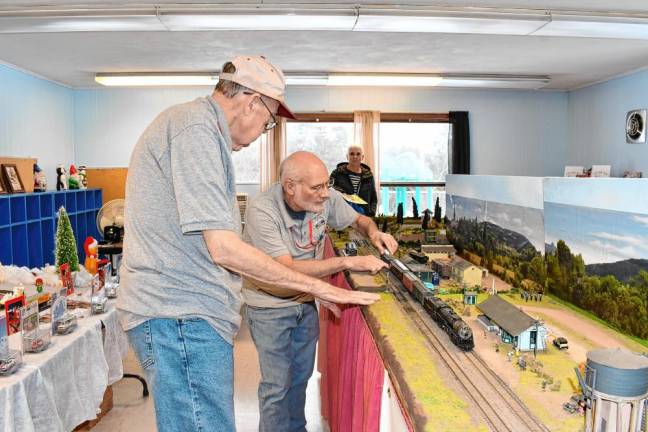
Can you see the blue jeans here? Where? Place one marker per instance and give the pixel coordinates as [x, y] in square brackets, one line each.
[189, 368]
[285, 339]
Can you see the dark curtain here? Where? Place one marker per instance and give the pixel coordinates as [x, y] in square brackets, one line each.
[459, 145]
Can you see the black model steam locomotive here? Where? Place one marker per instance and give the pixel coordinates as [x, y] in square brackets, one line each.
[446, 318]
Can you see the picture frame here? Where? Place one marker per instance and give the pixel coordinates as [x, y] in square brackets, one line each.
[601, 170]
[12, 178]
[573, 171]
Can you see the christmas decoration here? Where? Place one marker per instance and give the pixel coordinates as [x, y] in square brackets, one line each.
[91, 248]
[74, 180]
[61, 179]
[83, 176]
[40, 181]
[65, 249]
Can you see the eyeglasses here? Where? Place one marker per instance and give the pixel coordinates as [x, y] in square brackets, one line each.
[270, 124]
[320, 187]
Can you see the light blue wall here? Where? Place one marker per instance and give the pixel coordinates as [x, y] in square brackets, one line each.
[597, 124]
[513, 132]
[36, 120]
[110, 121]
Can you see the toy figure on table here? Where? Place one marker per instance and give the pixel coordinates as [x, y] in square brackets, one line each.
[66, 278]
[13, 311]
[39, 284]
[91, 248]
[61, 179]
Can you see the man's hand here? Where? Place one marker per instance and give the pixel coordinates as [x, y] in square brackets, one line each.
[364, 263]
[383, 241]
[330, 294]
[332, 307]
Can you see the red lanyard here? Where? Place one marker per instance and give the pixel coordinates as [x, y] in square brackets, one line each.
[310, 244]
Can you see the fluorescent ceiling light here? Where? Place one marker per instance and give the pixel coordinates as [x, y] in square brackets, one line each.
[596, 26]
[261, 19]
[79, 23]
[528, 82]
[467, 20]
[307, 80]
[383, 80]
[152, 79]
[334, 80]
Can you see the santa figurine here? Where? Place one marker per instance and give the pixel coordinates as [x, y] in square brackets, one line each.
[74, 180]
[40, 181]
[61, 179]
[91, 248]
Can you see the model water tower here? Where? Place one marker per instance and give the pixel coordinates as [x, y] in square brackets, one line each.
[616, 387]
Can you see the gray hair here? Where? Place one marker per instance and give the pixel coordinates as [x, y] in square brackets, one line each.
[229, 89]
[355, 147]
[287, 170]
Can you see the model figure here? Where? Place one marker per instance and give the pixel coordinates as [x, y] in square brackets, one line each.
[61, 179]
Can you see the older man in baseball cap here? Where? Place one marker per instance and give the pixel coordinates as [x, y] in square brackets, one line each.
[183, 256]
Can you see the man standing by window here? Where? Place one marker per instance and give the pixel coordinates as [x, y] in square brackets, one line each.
[288, 222]
[355, 178]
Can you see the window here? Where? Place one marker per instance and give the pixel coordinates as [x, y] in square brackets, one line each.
[413, 162]
[328, 137]
[247, 163]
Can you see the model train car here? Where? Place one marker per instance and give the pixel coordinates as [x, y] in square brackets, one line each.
[420, 257]
[351, 249]
[446, 318]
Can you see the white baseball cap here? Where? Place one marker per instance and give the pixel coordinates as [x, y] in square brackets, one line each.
[259, 75]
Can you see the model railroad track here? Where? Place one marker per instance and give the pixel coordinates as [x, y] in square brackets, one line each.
[492, 412]
[514, 402]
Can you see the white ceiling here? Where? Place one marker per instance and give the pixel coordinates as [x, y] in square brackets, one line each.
[73, 58]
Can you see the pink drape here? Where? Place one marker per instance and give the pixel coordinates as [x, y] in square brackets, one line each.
[351, 368]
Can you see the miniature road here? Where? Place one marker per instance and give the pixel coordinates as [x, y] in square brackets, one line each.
[500, 407]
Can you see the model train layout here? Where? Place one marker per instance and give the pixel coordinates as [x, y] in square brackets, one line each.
[446, 318]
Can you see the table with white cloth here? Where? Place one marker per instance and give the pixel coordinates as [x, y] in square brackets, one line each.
[63, 386]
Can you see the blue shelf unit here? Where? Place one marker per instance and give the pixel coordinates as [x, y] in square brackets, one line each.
[28, 224]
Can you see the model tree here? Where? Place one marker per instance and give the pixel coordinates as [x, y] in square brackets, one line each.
[415, 208]
[65, 248]
[437, 211]
[426, 219]
[399, 214]
[384, 225]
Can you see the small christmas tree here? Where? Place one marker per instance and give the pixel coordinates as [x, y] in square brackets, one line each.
[65, 249]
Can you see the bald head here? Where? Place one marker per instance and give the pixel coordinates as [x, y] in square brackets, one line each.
[301, 166]
[355, 148]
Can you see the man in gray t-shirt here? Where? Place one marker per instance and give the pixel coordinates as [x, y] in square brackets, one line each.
[288, 222]
[180, 277]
